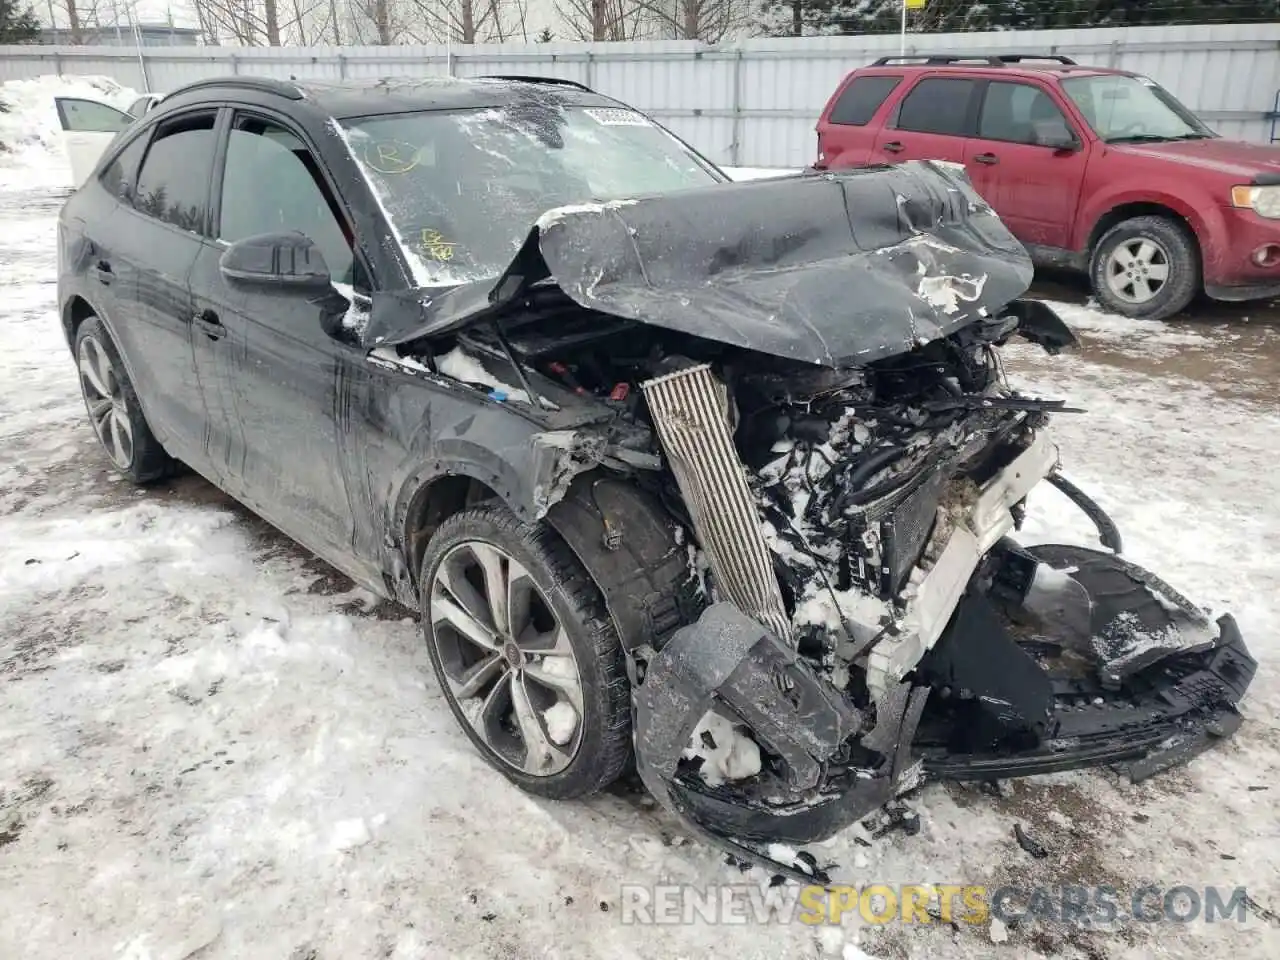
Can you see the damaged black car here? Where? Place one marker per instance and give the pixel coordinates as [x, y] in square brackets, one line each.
[723, 480]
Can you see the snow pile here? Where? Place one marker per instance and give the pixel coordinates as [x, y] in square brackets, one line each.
[31, 150]
[1130, 332]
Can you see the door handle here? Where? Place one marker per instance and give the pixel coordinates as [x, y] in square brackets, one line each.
[103, 269]
[894, 146]
[990, 159]
[208, 322]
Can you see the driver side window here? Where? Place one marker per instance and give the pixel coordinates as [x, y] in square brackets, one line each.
[271, 184]
[1020, 113]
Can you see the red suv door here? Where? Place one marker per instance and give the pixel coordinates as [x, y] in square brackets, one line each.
[1027, 161]
[931, 122]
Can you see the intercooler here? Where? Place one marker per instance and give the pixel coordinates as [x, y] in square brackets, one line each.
[690, 409]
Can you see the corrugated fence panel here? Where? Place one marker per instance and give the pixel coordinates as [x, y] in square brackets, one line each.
[752, 103]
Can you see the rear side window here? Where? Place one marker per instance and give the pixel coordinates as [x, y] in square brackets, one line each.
[937, 105]
[117, 178]
[860, 100]
[173, 184]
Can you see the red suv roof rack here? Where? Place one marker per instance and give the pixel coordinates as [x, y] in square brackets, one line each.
[985, 59]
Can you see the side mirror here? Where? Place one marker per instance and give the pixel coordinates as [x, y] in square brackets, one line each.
[1056, 137]
[286, 260]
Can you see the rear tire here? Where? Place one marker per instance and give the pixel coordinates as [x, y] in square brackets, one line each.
[114, 411]
[1146, 267]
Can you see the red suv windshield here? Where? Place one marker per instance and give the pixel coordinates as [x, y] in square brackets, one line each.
[1122, 108]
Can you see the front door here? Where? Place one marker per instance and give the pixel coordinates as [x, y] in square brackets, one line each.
[931, 122]
[1018, 163]
[278, 363]
[88, 128]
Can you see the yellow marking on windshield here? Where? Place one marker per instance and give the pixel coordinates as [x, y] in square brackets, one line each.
[435, 246]
[392, 156]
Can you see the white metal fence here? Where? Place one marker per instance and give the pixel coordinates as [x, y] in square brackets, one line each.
[752, 103]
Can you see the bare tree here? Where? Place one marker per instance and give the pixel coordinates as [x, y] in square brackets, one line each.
[469, 21]
[603, 19]
[80, 14]
[706, 20]
[256, 23]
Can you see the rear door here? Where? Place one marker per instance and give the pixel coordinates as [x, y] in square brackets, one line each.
[88, 128]
[932, 122]
[847, 131]
[157, 233]
[1018, 164]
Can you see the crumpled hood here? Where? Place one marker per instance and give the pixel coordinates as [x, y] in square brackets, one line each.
[833, 269]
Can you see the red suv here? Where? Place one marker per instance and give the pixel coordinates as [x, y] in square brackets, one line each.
[1099, 170]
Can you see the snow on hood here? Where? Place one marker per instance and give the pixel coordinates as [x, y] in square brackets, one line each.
[31, 150]
[837, 269]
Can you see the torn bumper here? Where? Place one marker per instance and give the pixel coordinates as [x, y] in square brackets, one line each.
[986, 702]
[826, 767]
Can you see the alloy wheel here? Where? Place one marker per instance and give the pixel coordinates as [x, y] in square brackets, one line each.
[105, 400]
[1137, 270]
[506, 658]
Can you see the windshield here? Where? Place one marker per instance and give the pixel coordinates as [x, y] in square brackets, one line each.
[1121, 108]
[463, 188]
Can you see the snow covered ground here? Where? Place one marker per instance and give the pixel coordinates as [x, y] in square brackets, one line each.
[212, 746]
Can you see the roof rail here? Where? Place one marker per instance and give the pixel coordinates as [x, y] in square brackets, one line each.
[553, 81]
[283, 88]
[985, 59]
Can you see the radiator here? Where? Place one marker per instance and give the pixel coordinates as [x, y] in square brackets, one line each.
[690, 409]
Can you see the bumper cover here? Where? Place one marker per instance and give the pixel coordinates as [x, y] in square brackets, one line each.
[982, 705]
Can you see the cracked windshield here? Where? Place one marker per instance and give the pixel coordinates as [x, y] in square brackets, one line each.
[463, 188]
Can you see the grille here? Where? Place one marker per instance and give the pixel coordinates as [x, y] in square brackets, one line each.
[690, 410]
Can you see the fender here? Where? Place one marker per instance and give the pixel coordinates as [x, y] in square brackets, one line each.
[105, 318]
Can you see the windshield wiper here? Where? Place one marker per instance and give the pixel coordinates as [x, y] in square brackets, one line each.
[1141, 138]
[1156, 138]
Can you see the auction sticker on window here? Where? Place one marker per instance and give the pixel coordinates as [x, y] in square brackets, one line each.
[612, 117]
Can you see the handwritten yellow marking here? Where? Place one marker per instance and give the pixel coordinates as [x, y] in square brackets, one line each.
[435, 245]
[392, 156]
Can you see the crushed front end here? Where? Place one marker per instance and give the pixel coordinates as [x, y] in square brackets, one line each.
[804, 377]
[876, 621]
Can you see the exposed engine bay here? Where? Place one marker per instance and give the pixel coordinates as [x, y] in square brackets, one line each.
[865, 613]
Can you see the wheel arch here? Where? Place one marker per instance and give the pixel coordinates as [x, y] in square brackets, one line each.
[75, 312]
[432, 497]
[1141, 208]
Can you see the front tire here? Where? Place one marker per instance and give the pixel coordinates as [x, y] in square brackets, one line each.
[526, 653]
[1146, 267]
[114, 411]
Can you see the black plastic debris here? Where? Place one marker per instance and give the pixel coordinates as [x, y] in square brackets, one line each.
[1029, 843]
